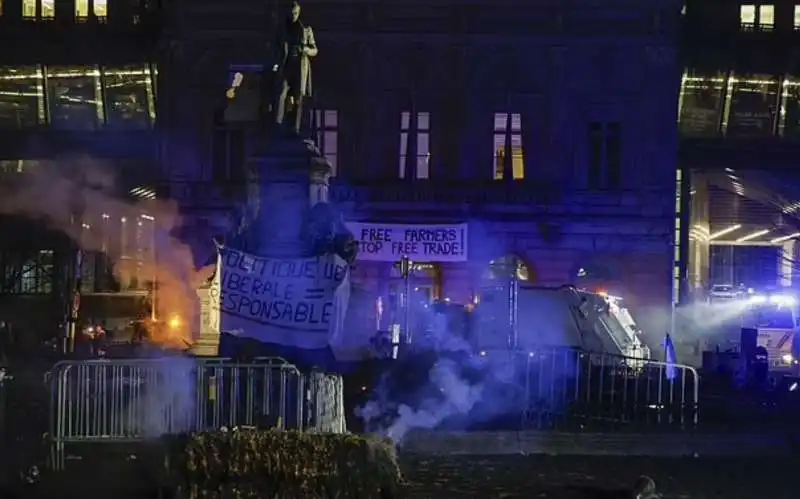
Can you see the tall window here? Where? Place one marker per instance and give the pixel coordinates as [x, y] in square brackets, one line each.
[129, 101]
[39, 9]
[701, 103]
[766, 17]
[415, 153]
[31, 274]
[21, 97]
[508, 142]
[797, 17]
[326, 126]
[753, 16]
[747, 16]
[750, 108]
[227, 154]
[605, 158]
[75, 97]
[97, 8]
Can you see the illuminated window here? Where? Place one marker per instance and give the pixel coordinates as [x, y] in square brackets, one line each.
[605, 161]
[747, 16]
[98, 8]
[75, 97]
[415, 154]
[797, 17]
[128, 97]
[28, 273]
[766, 17]
[39, 9]
[700, 103]
[508, 126]
[750, 106]
[789, 118]
[21, 97]
[326, 125]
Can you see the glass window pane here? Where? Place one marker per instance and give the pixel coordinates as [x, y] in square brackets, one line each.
[331, 119]
[29, 8]
[21, 97]
[48, 9]
[752, 106]
[403, 149]
[797, 16]
[790, 112]
[701, 104]
[423, 144]
[423, 168]
[74, 97]
[423, 121]
[766, 15]
[81, 8]
[517, 162]
[404, 120]
[747, 14]
[101, 8]
[516, 122]
[499, 145]
[329, 141]
[126, 97]
[500, 122]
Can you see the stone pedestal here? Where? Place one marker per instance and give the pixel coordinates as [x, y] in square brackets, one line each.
[288, 177]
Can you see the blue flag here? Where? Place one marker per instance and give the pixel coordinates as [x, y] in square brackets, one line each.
[670, 358]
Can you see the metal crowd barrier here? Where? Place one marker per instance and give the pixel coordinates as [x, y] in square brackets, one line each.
[131, 400]
[557, 388]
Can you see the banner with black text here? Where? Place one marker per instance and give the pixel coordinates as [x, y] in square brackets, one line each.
[421, 243]
[296, 302]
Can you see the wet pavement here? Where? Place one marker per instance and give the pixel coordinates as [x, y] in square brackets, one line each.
[575, 477]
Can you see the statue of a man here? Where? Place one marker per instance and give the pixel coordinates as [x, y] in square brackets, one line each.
[295, 46]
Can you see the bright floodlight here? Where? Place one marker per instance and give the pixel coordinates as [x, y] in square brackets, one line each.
[758, 299]
[724, 232]
[785, 238]
[752, 236]
[783, 300]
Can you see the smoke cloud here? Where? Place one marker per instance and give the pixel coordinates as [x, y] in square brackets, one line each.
[81, 198]
[449, 385]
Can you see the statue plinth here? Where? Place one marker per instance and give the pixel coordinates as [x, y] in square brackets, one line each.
[288, 177]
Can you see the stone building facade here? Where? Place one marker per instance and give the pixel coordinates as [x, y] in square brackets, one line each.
[549, 129]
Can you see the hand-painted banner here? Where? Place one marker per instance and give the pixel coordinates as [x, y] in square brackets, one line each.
[421, 243]
[297, 302]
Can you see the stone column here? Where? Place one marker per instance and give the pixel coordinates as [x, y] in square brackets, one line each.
[786, 257]
[699, 232]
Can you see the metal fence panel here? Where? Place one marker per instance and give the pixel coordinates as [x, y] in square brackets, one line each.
[566, 388]
[131, 400]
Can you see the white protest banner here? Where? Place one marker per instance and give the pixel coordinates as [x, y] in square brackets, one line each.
[421, 243]
[289, 301]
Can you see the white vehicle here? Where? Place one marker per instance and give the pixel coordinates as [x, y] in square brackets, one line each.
[726, 292]
[775, 317]
[557, 317]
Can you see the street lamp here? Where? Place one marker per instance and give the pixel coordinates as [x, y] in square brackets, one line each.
[405, 270]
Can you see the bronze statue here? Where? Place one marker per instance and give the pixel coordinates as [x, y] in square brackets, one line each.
[294, 47]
